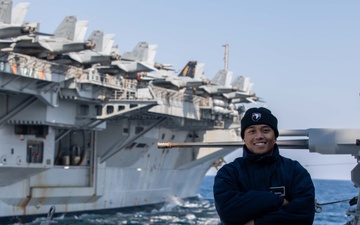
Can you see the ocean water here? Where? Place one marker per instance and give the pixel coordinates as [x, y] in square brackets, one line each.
[202, 211]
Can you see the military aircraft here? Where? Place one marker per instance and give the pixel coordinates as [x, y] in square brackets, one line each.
[12, 23]
[243, 92]
[219, 84]
[66, 38]
[163, 71]
[141, 59]
[12, 20]
[103, 53]
[190, 76]
[132, 64]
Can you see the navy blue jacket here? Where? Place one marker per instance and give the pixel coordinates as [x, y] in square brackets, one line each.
[253, 187]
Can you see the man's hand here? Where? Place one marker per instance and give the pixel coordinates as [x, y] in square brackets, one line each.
[285, 202]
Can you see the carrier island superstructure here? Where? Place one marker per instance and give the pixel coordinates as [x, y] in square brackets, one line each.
[80, 123]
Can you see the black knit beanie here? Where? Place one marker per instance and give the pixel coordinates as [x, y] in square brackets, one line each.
[259, 116]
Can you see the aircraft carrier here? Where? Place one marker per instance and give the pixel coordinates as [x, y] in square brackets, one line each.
[80, 122]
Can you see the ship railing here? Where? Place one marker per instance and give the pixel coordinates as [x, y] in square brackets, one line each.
[32, 67]
[127, 94]
[119, 94]
[177, 96]
[131, 91]
[117, 82]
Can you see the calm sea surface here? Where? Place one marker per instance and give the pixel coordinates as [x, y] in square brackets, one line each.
[202, 211]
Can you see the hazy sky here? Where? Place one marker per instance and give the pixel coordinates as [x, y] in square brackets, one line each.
[302, 56]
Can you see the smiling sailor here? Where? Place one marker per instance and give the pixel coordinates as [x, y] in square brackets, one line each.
[263, 187]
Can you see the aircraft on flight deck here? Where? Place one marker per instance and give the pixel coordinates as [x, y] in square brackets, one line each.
[221, 85]
[243, 92]
[68, 37]
[103, 53]
[141, 59]
[131, 64]
[190, 76]
[12, 20]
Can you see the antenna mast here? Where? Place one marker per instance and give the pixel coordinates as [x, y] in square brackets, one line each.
[226, 57]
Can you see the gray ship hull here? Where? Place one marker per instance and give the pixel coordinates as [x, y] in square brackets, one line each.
[82, 141]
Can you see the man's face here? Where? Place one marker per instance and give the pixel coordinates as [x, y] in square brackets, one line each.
[259, 139]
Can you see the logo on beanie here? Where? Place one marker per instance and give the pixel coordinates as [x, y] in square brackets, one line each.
[256, 117]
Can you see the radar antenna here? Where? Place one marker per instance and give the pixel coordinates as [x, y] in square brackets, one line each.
[226, 57]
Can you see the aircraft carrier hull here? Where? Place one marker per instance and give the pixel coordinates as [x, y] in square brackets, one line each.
[82, 141]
